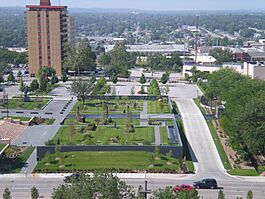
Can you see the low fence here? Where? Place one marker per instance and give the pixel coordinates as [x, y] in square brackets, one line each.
[176, 150]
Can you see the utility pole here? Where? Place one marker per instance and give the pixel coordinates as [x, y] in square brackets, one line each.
[197, 34]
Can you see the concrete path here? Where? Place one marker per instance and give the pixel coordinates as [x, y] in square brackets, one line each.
[144, 115]
[145, 108]
[30, 164]
[204, 153]
[157, 136]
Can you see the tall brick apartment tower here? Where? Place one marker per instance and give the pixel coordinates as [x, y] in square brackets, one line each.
[48, 29]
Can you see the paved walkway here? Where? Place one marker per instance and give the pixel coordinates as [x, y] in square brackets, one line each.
[157, 136]
[30, 164]
[143, 115]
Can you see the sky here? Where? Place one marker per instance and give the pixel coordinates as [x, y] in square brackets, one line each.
[152, 4]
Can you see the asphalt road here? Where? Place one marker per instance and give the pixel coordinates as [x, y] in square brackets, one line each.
[233, 188]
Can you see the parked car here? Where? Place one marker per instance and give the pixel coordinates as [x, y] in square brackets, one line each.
[183, 187]
[207, 183]
[72, 177]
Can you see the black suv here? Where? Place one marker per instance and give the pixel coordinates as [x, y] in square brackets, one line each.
[208, 183]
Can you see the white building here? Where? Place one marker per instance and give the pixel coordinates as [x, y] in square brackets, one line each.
[154, 48]
[252, 69]
[255, 70]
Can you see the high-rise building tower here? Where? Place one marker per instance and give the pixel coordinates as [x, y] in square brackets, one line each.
[48, 29]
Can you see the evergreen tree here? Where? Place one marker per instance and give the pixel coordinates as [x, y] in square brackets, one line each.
[142, 79]
[34, 193]
[7, 194]
[34, 85]
[250, 195]
[22, 86]
[221, 195]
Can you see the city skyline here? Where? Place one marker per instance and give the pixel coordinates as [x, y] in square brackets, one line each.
[169, 5]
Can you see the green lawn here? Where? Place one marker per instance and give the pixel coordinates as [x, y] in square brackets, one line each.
[106, 136]
[106, 160]
[219, 146]
[119, 121]
[197, 102]
[35, 103]
[2, 146]
[94, 106]
[164, 136]
[156, 107]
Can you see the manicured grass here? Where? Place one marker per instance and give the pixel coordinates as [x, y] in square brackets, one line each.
[49, 121]
[35, 103]
[2, 146]
[120, 121]
[106, 160]
[197, 102]
[164, 136]
[219, 146]
[94, 106]
[106, 135]
[156, 107]
[20, 162]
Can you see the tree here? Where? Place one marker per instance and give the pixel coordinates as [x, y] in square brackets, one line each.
[101, 87]
[22, 86]
[19, 74]
[133, 90]
[250, 195]
[105, 59]
[93, 79]
[7, 194]
[120, 59]
[46, 72]
[34, 85]
[11, 77]
[64, 77]
[168, 193]
[221, 195]
[79, 58]
[81, 88]
[154, 88]
[142, 79]
[34, 193]
[43, 83]
[221, 56]
[164, 78]
[113, 91]
[54, 80]
[101, 185]
[114, 79]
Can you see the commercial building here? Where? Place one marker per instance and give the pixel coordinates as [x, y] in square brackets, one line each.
[48, 29]
[154, 49]
[255, 70]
